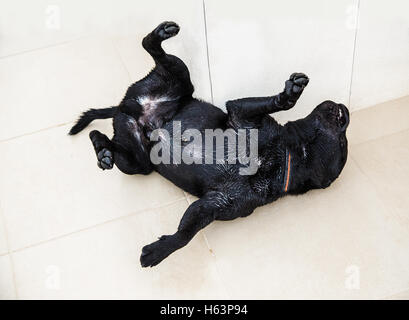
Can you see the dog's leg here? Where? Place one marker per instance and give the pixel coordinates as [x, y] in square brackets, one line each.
[130, 153]
[131, 108]
[102, 146]
[251, 107]
[199, 214]
[130, 163]
[125, 149]
[166, 64]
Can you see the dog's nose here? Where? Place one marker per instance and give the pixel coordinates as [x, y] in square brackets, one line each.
[343, 113]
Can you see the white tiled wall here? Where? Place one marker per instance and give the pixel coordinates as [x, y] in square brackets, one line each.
[255, 45]
[381, 68]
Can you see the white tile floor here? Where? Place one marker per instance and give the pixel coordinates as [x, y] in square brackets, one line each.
[69, 230]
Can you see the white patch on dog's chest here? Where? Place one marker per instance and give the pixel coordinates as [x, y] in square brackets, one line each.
[149, 104]
[148, 118]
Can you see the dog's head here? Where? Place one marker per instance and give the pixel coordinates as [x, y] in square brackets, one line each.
[325, 154]
[330, 121]
[331, 117]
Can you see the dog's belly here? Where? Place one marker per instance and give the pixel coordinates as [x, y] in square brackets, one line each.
[194, 178]
[199, 115]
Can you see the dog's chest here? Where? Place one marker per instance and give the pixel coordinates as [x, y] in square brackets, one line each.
[150, 108]
[149, 104]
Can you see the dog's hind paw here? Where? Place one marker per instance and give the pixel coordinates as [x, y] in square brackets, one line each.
[154, 253]
[105, 159]
[167, 30]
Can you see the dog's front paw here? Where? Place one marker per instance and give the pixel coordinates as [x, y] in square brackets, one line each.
[154, 253]
[105, 159]
[295, 85]
[167, 30]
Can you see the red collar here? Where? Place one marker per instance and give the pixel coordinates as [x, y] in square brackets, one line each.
[287, 172]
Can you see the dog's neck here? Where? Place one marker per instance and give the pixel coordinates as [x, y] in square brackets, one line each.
[297, 138]
[287, 171]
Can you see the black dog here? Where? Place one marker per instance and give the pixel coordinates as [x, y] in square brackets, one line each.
[302, 155]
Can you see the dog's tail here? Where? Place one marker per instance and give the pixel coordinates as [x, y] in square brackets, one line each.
[88, 116]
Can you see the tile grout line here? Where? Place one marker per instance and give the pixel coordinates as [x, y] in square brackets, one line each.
[212, 254]
[207, 51]
[52, 46]
[378, 138]
[12, 55]
[354, 53]
[14, 275]
[378, 104]
[37, 131]
[390, 212]
[9, 253]
[219, 274]
[95, 226]
[121, 59]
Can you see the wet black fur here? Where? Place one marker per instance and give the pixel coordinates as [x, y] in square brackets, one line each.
[317, 144]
